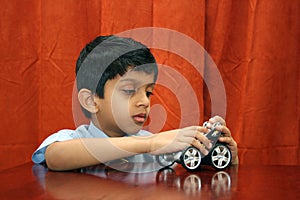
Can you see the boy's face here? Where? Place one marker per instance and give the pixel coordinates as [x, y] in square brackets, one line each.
[126, 103]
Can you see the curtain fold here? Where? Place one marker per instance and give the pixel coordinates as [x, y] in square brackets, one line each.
[259, 64]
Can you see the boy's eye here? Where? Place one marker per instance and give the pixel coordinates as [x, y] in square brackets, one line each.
[129, 92]
[148, 94]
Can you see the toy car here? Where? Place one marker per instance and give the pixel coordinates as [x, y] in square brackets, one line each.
[191, 158]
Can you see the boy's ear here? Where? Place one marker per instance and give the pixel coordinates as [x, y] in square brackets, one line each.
[87, 101]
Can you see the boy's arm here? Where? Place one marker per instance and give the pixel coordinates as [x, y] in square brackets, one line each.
[77, 153]
[82, 152]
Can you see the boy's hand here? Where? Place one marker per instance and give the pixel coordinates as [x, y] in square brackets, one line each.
[226, 137]
[179, 139]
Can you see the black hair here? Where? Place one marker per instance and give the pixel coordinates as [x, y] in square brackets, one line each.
[108, 56]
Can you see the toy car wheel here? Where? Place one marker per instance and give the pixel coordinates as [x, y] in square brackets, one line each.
[220, 156]
[191, 158]
[166, 160]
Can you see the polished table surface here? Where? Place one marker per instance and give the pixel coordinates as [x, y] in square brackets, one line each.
[31, 181]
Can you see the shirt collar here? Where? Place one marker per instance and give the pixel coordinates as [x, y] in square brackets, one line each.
[96, 132]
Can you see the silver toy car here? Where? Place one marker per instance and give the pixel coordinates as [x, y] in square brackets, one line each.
[191, 158]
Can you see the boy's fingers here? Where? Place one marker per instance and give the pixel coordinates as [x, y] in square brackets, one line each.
[226, 132]
[196, 143]
[204, 140]
[198, 139]
[230, 141]
[227, 140]
[201, 129]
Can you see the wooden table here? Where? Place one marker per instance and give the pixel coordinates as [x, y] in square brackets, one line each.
[238, 182]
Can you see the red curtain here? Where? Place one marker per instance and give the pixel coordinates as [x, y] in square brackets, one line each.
[255, 45]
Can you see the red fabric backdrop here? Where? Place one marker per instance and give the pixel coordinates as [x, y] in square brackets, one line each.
[255, 45]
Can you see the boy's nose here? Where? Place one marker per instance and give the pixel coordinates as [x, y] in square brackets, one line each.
[143, 100]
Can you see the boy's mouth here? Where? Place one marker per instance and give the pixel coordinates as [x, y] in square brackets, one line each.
[139, 118]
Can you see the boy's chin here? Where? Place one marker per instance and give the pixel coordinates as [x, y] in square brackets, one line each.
[133, 130]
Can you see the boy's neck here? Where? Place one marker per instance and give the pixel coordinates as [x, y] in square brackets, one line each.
[109, 133]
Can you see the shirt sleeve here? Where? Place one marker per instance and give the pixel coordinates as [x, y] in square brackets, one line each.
[38, 156]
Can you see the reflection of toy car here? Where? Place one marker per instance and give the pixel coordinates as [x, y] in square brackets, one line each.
[217, 183]
[219, 156]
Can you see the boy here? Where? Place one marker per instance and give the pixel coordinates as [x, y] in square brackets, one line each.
[115, 79]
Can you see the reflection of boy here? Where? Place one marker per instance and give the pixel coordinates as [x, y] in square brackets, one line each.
[115, 80]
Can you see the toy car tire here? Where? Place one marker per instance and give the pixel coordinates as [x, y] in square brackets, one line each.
[191, 158]
[166, 160]
[220, 156]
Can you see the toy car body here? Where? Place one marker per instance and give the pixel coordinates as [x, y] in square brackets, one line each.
[219, 156]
